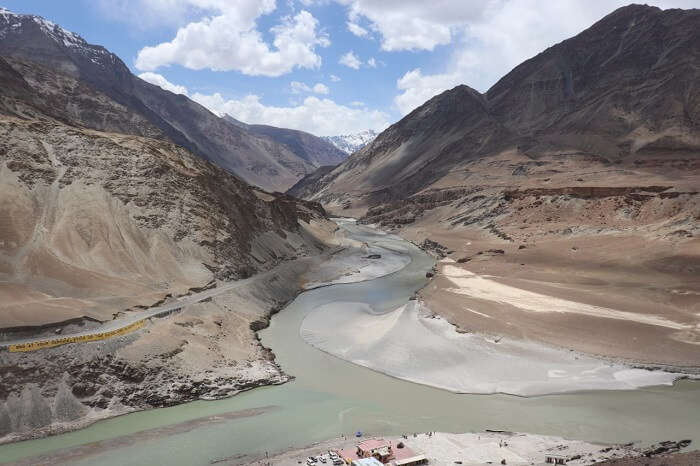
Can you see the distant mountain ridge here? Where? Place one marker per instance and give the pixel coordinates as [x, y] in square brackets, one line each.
[254, 157]
[351, 143]
[623, 93]
[313, 149]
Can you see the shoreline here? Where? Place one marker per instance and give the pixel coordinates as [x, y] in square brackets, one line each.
[260, 324]
[628, 374]
[438, 356]
[350, 268]
[554, 290]
[685, 369]
[444, 449]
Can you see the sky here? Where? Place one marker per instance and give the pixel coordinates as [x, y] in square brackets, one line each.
[328, 67]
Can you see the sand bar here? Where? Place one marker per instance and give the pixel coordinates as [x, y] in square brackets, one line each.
[412, 344]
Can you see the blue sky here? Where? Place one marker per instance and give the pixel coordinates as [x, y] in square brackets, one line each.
[281, 63]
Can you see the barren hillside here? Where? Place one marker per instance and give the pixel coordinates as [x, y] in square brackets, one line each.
[104, 216]
[43, 47]
[576, 175]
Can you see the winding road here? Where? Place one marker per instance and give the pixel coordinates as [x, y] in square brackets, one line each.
[132, 318]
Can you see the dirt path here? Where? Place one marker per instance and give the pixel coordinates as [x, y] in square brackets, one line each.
[134, 317]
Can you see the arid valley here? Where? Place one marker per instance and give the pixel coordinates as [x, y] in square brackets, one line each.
[253, 268]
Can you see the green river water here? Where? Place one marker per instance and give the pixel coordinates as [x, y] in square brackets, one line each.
[330, 397]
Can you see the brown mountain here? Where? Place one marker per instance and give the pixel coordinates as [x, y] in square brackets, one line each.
[89, 213]
[46, 47]
[576, 175]
[621, 90]
[311, 183]
[103, 216]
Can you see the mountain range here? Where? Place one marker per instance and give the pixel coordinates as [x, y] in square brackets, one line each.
[616, 105]
[573, 181]
[253, 156]
[315, 151]
[117, 196]
[99, 198]
[562, 206]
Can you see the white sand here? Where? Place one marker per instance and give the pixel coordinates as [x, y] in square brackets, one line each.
[410, 344]
[476, 286]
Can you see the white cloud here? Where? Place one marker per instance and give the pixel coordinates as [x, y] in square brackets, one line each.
[357, 103]
[356, 29]
[415, 24]
[320, 116]
[320, 88]
[350, 60]
[372, 63]
[298, 88]
[335, 78]
[494, 40]
[303, 88]
[159, 80]
[231, 41]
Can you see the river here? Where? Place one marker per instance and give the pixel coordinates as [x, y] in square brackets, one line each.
[330, 396]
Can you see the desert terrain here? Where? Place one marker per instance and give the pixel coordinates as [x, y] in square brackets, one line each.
[619, 294]
[606, 270]
[107, 218]
[560, 208]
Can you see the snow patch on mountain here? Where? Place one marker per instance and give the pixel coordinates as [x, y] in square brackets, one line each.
[351, 143]
[15, 23]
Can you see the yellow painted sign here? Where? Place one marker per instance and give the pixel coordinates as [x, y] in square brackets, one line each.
[37, 345]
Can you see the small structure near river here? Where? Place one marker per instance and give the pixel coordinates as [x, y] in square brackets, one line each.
[382, 452]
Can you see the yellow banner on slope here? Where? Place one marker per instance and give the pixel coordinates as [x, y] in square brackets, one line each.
[37, 345]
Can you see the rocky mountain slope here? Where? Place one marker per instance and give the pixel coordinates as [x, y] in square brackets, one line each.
[103, 215]
[620, 93]
[254, 157]
[351, 143]
[576, 175]
[311, 183]
[313, 149]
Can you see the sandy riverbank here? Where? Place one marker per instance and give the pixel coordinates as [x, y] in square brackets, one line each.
[621, 295]
[206, 350]
[415, 343]
[412, 343]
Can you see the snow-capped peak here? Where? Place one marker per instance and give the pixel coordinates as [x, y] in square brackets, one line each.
[15, 23]
[69, 39]
[23, 26]
[5, 13]
[351, 143]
